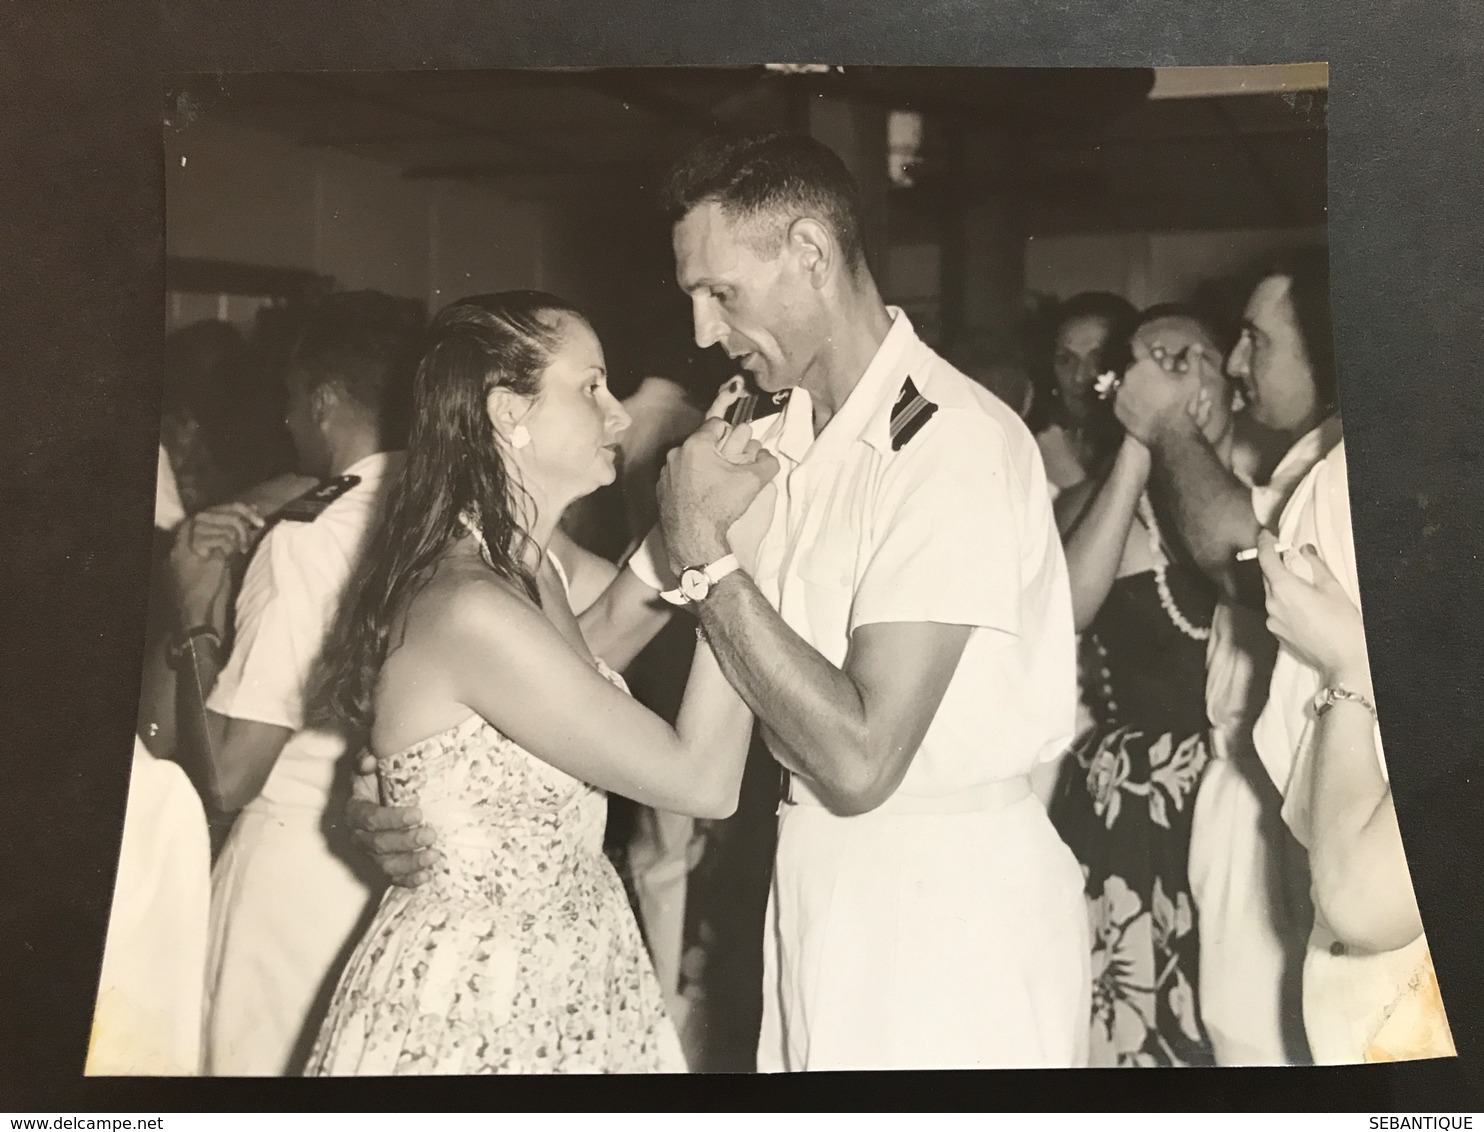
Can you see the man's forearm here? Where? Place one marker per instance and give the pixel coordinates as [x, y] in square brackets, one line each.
[1212, 508]
[196, 737]
[811, 711]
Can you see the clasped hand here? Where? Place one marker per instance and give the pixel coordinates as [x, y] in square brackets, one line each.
[708, 483]
[1159, 386]
[202, 555]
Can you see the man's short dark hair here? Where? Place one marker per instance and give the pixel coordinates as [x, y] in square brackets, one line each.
[1307, 272]
[365, 343]
[767, 176]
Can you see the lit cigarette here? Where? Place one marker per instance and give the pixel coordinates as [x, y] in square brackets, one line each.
[1249, 555]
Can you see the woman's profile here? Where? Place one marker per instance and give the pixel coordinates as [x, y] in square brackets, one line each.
[458, 654]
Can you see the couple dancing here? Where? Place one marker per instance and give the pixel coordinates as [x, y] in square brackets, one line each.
[900, 624]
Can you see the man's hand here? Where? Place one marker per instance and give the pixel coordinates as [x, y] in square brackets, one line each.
[394, 836]
[1153, 392]
[226, 530]
[203, 587]
[707, 485]
[728, 395]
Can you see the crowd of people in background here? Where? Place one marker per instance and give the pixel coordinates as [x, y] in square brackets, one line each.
[455, 554]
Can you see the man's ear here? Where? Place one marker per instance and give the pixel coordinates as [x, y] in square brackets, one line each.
[323, 400]
[814, 247]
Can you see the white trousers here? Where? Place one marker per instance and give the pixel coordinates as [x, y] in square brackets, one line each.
[148, 1015]
[285, 914]
[925, 941]
[1248, 879]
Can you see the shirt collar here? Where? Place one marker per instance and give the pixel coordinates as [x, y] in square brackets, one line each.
[1308, 450]
[1269, 499]
[866, 413]
[375, 466]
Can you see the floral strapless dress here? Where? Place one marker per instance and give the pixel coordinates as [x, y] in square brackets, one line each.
[521, 954]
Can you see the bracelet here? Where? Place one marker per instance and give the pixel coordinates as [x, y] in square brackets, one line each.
[186, 643]
[1332, 695]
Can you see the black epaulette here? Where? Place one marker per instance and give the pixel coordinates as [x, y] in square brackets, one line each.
[909, 414]
[309, 506]
[751, 406]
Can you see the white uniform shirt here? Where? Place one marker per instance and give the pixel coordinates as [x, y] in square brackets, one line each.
[954, 527]
[289, 598]
[1357, 1006]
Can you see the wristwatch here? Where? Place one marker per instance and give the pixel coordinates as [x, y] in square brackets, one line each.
[696, 581]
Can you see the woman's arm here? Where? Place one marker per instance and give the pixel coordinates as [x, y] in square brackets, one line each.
[588, 574]
[624, 619]
[1095, 519]
[1359, 868]
[509, 664]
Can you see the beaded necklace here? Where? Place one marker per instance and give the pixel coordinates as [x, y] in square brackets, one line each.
[1161, 583]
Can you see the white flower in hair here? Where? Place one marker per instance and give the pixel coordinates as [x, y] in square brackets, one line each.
[1107, 384]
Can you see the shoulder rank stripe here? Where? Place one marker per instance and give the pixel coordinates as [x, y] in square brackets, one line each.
[308, 507]
[910, 413]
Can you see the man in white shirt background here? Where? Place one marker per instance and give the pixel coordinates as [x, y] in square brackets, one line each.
[1256, 939]
[286, 898]
[147, 1016]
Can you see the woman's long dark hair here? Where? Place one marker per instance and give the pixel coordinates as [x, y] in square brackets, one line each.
[455, 466]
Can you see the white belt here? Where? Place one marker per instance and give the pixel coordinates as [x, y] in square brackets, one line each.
[976, 799]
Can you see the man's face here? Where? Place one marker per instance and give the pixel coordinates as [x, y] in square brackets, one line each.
[764, 312]
[1269, 360]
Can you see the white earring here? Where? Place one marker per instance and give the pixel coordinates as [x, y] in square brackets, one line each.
[520, 436]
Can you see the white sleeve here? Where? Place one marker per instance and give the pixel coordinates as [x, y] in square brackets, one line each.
[946, 545]
[643, 562]
[284, 609]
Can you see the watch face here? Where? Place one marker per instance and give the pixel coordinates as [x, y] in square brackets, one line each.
[694, 584]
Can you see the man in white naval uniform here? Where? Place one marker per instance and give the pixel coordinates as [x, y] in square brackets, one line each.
[287, 901]
[902, 629]
[903, 633]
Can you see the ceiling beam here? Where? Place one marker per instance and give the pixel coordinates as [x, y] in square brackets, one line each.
[485, 170]
[1260, 170]
[448, 121]
[632, 91]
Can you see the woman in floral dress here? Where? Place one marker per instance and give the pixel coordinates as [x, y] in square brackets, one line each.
[1124, 800]
[458, 653]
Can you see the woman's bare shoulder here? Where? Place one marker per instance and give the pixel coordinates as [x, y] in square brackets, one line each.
[465, 595]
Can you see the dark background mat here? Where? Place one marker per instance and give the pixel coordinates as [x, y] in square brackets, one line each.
[81, 312]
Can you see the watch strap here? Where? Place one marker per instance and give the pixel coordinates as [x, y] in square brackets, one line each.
[185, 644]
[713, 573]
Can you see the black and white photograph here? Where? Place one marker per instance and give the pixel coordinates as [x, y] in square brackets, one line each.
[765, 569]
